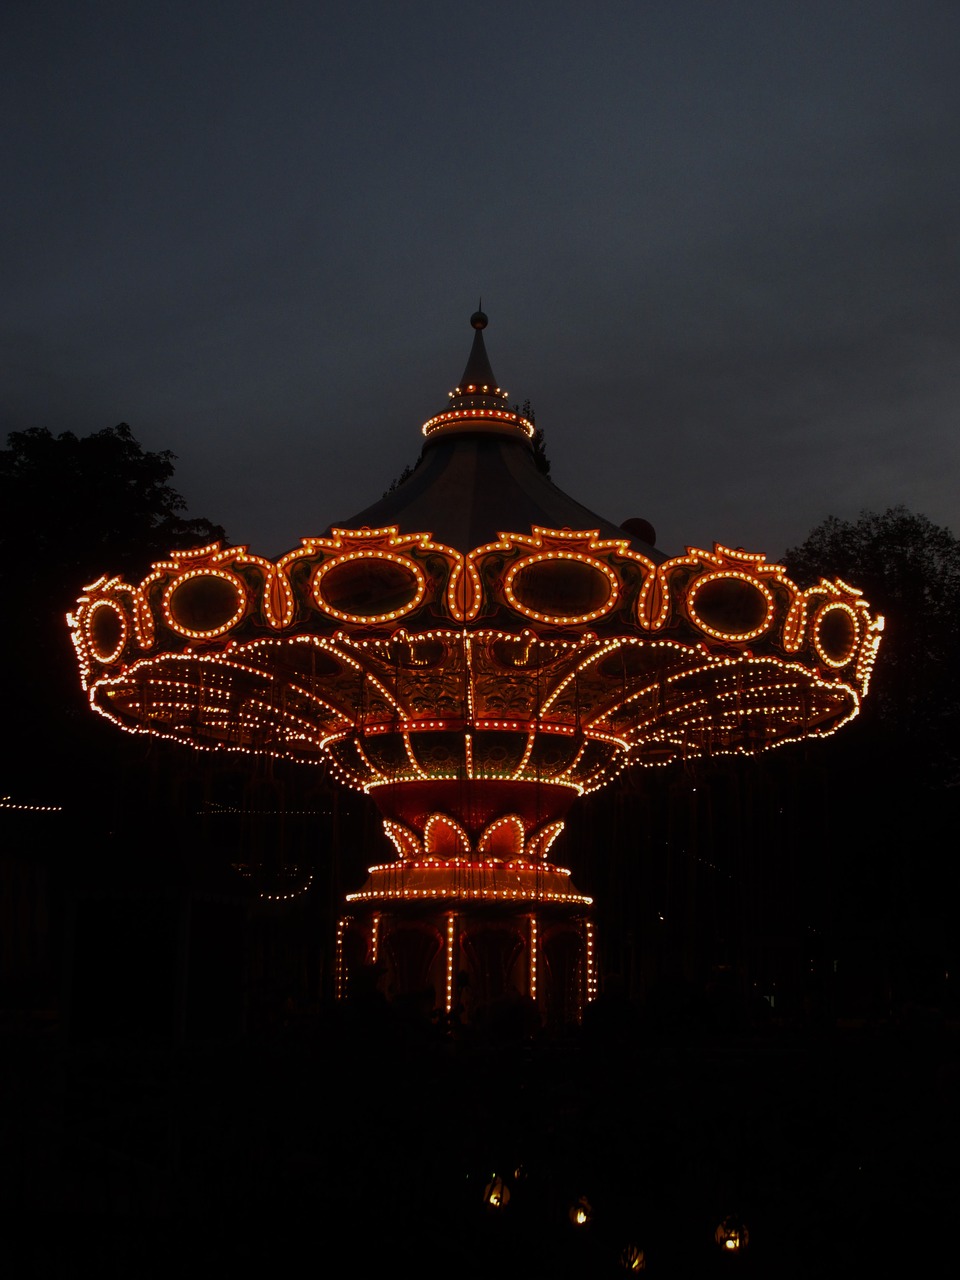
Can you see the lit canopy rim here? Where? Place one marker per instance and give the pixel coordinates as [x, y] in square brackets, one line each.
[406, 654]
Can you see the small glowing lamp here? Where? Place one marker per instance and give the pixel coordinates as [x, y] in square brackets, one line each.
[632, 1258]
[581, 1212]
[496, 1194]
[732, 1235]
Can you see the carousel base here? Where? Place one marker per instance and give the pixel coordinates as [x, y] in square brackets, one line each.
[470, 938]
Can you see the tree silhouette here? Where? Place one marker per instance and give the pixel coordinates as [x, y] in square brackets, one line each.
[539, 450]
[402, 478]
[95, 502]
[71, 509]
[890, 779]
[909, 570]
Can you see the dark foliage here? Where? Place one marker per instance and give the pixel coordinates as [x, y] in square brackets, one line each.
[91, 504]
[402, 478]
[71, 509]
[888, 781]
[539, 451]
[909, 570]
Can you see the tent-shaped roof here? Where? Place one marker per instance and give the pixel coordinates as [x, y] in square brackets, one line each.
[478, 476]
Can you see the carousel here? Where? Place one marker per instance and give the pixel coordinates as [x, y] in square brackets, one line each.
[475, 651]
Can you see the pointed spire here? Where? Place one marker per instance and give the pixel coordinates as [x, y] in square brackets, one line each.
[478, 372]
[478, 404]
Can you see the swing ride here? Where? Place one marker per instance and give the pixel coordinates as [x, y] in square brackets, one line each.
[475, 651]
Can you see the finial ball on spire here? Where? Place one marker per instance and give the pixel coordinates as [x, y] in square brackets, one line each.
[478, 320]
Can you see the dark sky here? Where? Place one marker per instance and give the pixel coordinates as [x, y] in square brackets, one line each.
[717, 242]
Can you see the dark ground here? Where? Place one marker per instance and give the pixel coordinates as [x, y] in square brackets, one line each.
[360, 1140]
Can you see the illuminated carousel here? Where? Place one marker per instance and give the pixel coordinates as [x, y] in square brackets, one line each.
[475, 651]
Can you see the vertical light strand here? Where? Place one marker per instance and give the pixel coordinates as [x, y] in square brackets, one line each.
[375, 937]
[534, 943]
[338, 974]
[591, 975]
[451, 958]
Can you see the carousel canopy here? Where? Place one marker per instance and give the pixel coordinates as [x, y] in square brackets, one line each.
[477, 474]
